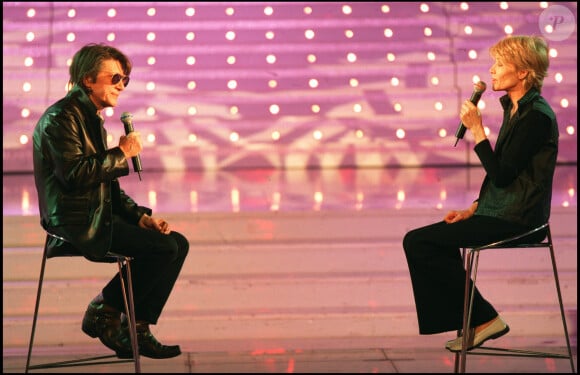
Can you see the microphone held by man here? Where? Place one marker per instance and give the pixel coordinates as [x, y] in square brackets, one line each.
[130, 143]
[478, 90]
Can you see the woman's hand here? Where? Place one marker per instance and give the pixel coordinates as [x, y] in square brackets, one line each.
[471, 119]
[454, 216]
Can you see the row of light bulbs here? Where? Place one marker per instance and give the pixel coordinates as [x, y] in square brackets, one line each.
[269, 10]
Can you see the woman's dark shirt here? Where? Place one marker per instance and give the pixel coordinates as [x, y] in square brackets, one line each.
[520, 171]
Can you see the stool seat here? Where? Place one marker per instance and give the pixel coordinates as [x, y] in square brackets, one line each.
[540, 236]
[58, 247]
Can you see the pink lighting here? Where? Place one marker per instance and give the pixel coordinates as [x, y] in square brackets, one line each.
[293, 144]
[152, 198]
[299, 190]
[281, 68]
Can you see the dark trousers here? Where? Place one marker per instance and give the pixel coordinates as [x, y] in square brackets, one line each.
[438, 275]
[157, 261]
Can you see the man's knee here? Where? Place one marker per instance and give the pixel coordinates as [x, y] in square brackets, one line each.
[409, 241]
[182, 244]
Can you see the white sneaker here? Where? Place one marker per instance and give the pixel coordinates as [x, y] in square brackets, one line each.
[495, 330]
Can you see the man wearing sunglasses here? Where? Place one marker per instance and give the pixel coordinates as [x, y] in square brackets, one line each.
[81, 201]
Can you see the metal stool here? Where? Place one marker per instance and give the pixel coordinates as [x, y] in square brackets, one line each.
[63, 249]
[543, 238]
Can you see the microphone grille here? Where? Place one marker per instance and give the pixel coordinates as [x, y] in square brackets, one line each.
[480, 86]
[126, 115]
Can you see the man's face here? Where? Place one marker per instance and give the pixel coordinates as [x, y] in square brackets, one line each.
[104, 93]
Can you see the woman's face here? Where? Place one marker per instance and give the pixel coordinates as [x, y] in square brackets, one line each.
[505, 77]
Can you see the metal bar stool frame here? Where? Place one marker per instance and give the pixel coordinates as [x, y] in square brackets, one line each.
[129, 311]
[471, 259]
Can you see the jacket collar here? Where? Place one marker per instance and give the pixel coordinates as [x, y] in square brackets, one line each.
[529, 96]
[79, 94]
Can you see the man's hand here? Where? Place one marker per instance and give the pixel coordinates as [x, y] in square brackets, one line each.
[131, 144]
[159, 225]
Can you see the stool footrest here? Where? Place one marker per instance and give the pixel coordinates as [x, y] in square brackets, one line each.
[515, 353]
[81, 362]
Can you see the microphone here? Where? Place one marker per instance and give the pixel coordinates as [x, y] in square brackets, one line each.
[477, 92]
[127, 119]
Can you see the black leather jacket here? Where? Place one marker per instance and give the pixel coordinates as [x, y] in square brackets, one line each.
[76, 176]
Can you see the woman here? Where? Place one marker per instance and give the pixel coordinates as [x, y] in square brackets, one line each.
[515, 195]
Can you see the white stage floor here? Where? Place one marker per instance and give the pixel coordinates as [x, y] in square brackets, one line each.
[291, 271]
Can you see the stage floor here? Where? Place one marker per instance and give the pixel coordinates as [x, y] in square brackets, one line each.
[403, 197]
[393, 355]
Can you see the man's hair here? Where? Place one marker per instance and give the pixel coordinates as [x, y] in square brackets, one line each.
[526, 53]
[87, 63]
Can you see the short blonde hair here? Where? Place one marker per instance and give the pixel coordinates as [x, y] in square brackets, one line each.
[526, 53]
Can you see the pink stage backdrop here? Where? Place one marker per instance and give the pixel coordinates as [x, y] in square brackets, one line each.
[225, 85]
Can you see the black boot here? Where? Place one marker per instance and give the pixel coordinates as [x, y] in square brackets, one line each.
[148, 344]
[104, 321]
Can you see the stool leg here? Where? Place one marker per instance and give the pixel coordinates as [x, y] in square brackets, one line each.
[35, 317]
[130, 310]
[133, 319]
[459, 331]
[557, 281]
[465, 329]
[470, 269]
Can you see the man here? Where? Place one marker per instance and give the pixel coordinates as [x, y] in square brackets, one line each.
[80, 200]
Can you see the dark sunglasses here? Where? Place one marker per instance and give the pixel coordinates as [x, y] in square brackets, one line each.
[118, 78]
